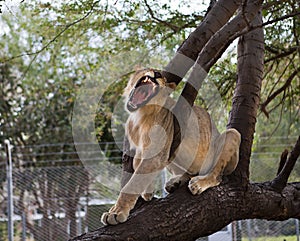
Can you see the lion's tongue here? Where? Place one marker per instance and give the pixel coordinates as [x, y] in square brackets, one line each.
[141, 93]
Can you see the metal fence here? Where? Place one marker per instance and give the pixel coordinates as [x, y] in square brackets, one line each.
[49, 193]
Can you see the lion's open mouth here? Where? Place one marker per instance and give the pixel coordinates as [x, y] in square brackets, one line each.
[145, 89]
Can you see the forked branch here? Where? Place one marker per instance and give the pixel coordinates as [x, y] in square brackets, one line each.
[208, 56]
[280, 182]
[192, 46]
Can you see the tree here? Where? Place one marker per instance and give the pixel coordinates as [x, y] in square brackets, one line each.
[44, 38]
[179, 215]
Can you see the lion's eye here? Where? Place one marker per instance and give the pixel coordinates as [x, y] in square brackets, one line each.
[157, 75]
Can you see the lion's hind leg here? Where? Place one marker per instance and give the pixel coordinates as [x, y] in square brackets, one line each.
[235, 140]
[226, 158]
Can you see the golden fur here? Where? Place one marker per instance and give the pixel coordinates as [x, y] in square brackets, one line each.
[201, 159]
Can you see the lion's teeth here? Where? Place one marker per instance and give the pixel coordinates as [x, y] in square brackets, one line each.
[131, 104]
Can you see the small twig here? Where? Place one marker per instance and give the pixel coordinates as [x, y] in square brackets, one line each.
[250, 28]
[283, 54]
[278, 78]
[268, 5]
[55, 38]
[170, 25]
[279, 183]
[277, 92]
[283, 159]
[271, 49]
[293, 14]
[29, 66]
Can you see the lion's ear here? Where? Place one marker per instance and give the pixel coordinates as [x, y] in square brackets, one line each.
[171, 85]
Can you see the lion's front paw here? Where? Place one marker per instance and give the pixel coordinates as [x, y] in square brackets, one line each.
[199, 184]
[115, 216]
[147, 196]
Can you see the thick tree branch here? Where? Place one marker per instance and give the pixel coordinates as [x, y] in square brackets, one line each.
[247, 95]
[156, 219]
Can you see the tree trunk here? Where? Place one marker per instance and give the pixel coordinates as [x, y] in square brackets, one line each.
[247, 95]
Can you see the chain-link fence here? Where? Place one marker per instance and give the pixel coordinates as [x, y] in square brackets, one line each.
[60, 191]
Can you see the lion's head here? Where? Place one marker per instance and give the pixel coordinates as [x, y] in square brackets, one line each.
[142, 87]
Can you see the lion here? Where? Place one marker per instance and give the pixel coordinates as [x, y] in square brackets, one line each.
[202, 158]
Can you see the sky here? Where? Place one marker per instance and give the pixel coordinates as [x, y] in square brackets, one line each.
[12, 7]
[9, 6]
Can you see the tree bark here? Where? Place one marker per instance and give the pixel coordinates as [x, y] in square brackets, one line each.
[182, 216]
[247, 95]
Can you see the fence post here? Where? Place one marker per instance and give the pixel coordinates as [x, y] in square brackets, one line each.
[79, 228]
[249, 229]
[297, 228]
[23, 226]
[10, 205]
